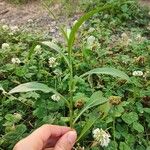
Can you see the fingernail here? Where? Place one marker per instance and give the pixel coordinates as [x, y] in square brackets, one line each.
[72, 135]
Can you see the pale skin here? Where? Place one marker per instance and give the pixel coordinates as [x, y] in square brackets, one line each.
[49, 137]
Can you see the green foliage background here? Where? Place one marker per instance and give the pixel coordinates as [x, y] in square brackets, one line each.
[127, 113]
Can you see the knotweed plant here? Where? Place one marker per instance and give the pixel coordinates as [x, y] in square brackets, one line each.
[68, 58]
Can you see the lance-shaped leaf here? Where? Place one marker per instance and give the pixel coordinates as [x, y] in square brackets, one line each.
[109, 71]
[35, 86]
[57, 49]
[87, 126]
[95, 100]
[81, 21]
[32, 86]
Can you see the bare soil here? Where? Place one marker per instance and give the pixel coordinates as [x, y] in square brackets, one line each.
[33, 16]
[145, 2]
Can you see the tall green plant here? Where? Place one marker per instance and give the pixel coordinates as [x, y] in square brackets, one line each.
[97, 98]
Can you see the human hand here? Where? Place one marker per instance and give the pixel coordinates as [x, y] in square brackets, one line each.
[48, 137]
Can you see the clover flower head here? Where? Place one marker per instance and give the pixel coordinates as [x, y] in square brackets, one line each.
[30, 20]
[14, 28]
[38, 49]
[5, 27]
[91, 30]
[5, 46]
[90, 41]
[15, 61]
[57, 72]
[139, 38]
[137, 73]
[52, 62]
[79, 147]
[124, 35]
[125, 40]
[18, 116]
[2, 20]
[55, 97]
[102, 137]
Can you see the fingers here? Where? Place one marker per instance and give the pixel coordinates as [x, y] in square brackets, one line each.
[67, 141]
[40, 137]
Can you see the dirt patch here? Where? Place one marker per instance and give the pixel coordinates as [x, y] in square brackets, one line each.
[19, 14]
[145, 3]
[33, 16]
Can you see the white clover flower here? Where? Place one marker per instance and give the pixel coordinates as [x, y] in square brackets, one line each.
[52, 62]
[11, 33]
[30, 21]
[38, 49]
[91, 30]
[139, 38]
[90, 41]
[57, 72]
[125, 40]
[102, 137]
[106, 16]
[137, 73]
[3, 20]
[5, 46]
[78, 147]
[18, 116]
[15, 61]
[14, 28]
[5, 27]
[149, 13]
[124, 35]
[55, 97]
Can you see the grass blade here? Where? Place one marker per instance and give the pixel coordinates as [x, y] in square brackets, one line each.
[81, 21]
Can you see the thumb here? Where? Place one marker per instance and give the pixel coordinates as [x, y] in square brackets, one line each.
[67, 141]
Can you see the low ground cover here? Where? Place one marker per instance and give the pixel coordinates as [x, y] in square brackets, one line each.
[117, 38]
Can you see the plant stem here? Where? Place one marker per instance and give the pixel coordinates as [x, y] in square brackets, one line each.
[71, 97]
[71, 87]
[114, 131]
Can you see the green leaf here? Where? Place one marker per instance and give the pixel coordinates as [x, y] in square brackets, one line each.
[95, 100]
[31, 86]
[129, 118]
[147, 110]
[35, 86]
[76, 27]
[57, 49]
[9, 117]
[105, 108]
[148, 148]
[138, 127]
[2, 89]
[108, 71]
[124, 146]
[87, 126]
